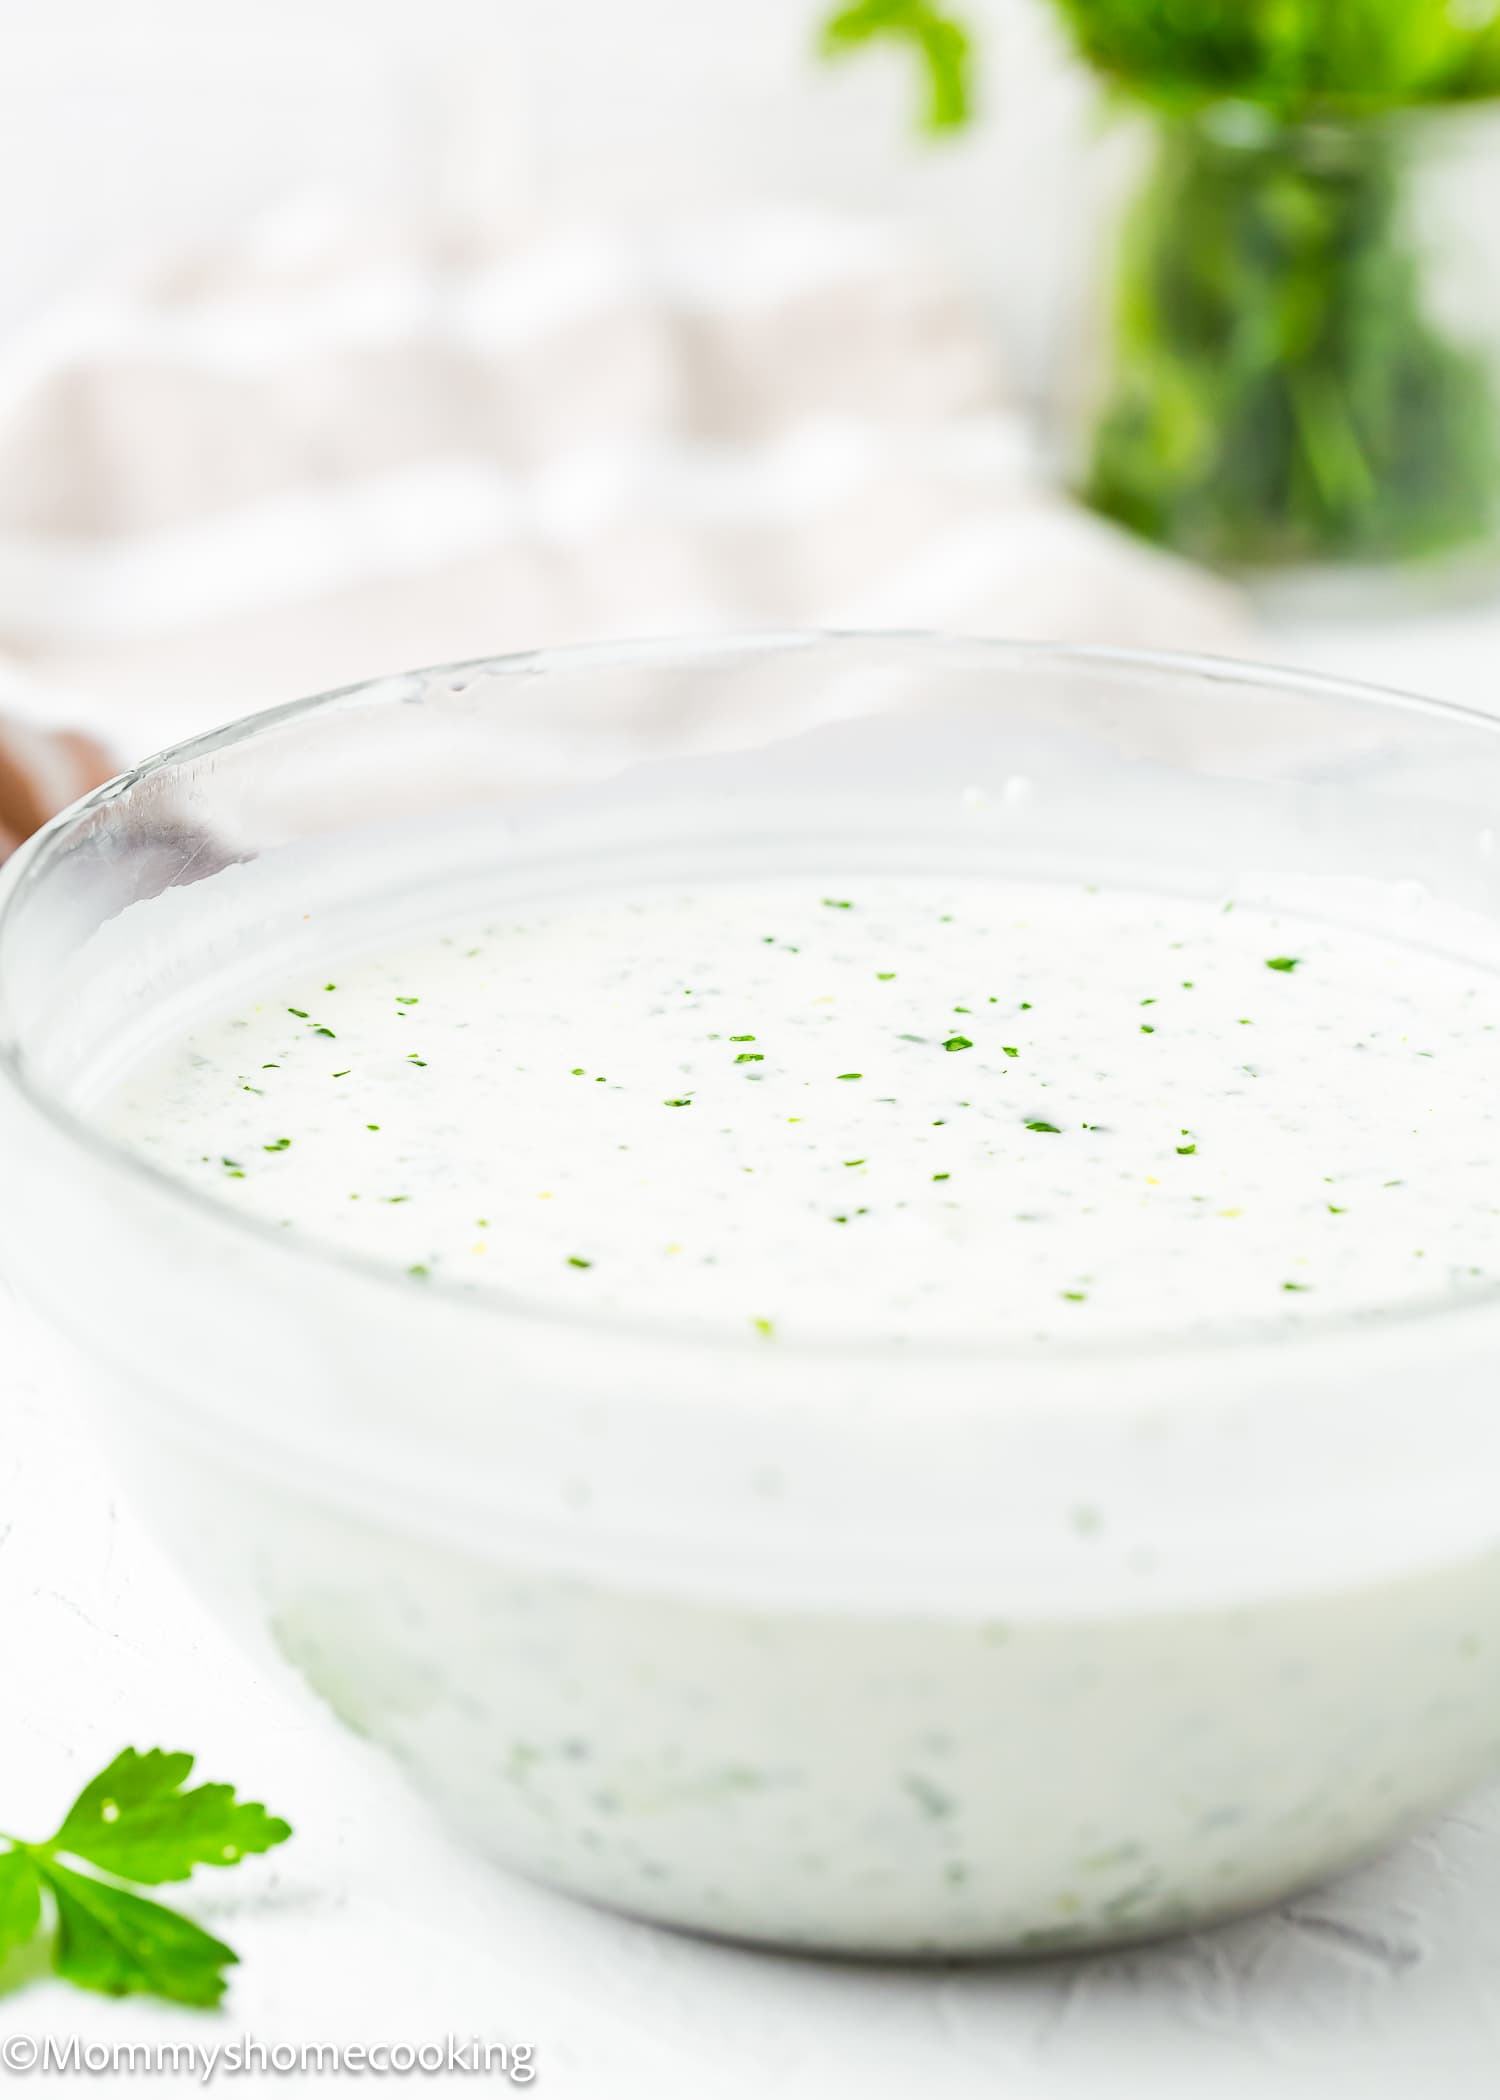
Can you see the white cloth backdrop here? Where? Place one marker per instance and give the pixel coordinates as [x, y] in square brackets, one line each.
[339, 447]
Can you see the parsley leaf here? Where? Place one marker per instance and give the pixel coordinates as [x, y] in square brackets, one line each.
[20, 1900]
[109, 1940]
[136, 1821]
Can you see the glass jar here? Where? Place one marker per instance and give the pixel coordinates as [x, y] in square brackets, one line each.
[1300, 360]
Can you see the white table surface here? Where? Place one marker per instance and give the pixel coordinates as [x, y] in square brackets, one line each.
[371, 1926]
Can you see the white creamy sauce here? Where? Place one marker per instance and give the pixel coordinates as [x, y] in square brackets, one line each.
[894, 1108]
[912, 1108]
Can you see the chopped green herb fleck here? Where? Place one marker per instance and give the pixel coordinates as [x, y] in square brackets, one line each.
[419, 1268]
[1074, 1297]
[1147, 1029]
[750, 1057]
[930, 1799]
[1282, 962]
[1183, 1151]
[679, 1101]
[742, 1039]
[277, 1145]
[942, 1177]
[1010, 1049]
[1296, 1286]
[576, 1261]
[839, 903]
[1051, 1128]
[765, 1327]
[298, 1011]
[884, 976]
[958, 1042]
[851, 1075]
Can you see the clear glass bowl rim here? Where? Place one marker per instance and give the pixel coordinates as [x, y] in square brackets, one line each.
[1005, 653]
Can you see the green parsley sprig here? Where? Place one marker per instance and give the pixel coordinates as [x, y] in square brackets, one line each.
[1284, 384]
[137, 1821]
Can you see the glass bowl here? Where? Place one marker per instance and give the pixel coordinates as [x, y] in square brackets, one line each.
[955, 1649]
